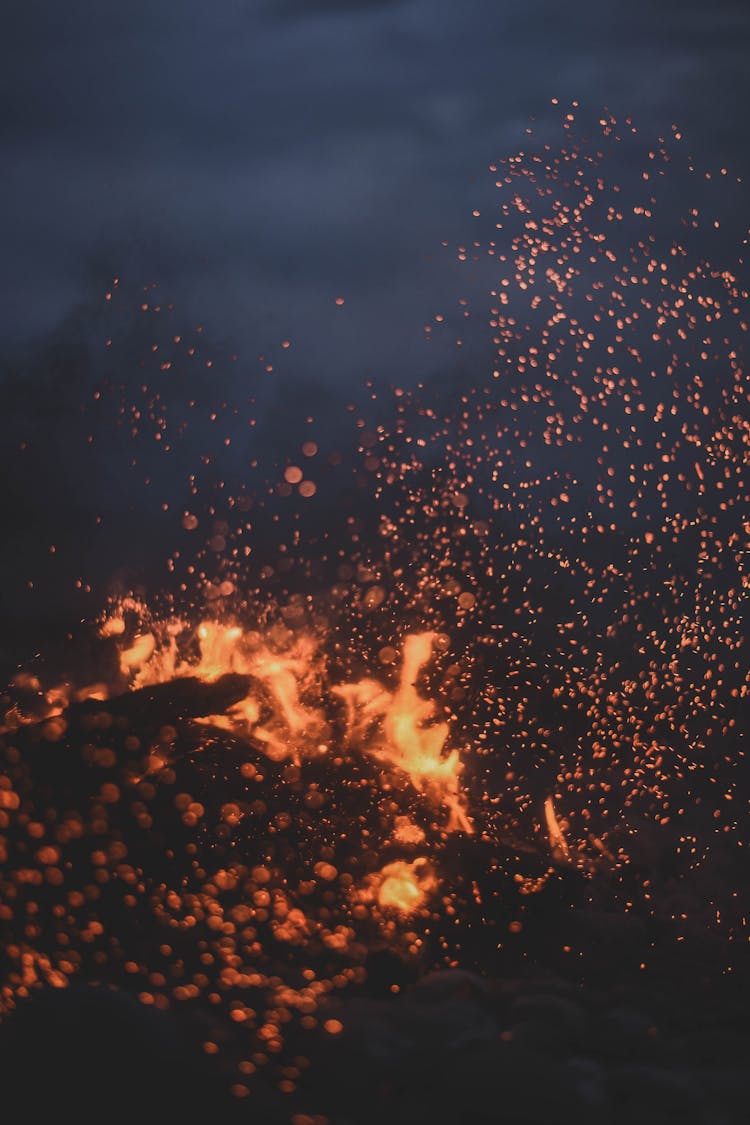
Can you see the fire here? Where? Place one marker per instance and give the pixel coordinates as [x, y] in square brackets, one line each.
[283, 675]
[138, 654]
[283, 715]
[282, 679]
[557, 840]
[404, 886]
[407, 739]
[416, 746]
[576, 519]
[406, 832]
[288, 673]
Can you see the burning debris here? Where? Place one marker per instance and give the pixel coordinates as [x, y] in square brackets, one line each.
[160, 838]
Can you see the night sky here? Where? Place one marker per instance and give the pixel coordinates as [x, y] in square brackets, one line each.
[256, 157]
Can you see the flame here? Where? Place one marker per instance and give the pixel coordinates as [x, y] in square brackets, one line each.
[557, 840]
[416, 747]
[219, 648]
[113, 626]
[285, 676]
[283, 713]
[406, 832]
[397, 727]
[410, 742]
[404, 886]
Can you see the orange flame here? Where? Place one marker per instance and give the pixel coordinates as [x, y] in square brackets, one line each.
[404, 886]
[410, 742]
[398, 727]
[557, 840]
[416, 747]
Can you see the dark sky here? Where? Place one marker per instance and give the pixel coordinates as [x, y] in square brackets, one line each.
[258, 159]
